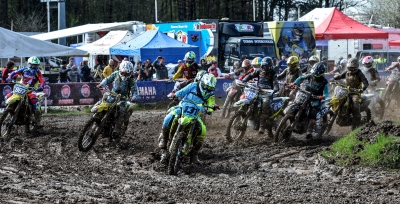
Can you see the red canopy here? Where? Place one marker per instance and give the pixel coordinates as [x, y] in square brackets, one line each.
[339, 26]
[394, 43]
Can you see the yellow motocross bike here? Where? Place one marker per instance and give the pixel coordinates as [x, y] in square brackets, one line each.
[103, 121]
[19, 111]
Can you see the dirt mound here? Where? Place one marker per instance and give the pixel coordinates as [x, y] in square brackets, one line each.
[372, 130]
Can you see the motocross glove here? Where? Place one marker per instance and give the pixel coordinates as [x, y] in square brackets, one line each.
[292, 84]
[171, 95]
[320, 97]
[40, 88]
[216, 107]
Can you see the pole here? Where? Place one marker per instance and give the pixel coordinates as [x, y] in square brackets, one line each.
[155, 2]
[254, 10]
[48, 15]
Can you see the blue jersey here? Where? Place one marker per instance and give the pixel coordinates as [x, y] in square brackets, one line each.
[192, 94]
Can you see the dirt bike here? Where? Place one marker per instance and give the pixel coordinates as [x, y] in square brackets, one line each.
[184, 130]
[296, 117]
[97, 73]
[19, 111]
[103, 121]
[341, 107]
[392, 88]
[250, 109]
[233, 94]
[376, 105]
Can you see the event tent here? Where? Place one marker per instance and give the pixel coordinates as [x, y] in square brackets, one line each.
[394, 43]
[153, 43]
[103, 45]
[13, 44]
[332, 24]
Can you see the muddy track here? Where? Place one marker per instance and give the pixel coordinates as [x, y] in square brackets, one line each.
[48, 168]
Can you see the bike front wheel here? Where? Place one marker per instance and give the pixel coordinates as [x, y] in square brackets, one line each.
[88, 135]
[237, 126]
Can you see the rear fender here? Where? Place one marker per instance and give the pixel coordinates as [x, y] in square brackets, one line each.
[241, 102]
[232, 92]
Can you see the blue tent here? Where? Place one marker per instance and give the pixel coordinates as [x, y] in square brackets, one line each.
[153, 43]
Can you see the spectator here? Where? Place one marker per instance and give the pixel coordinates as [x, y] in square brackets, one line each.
[282, 64]
[7, 70]
[109, 69]
[160, 68]
[71, 63]
[338, 62]
[380, 63]
[177, 66]
[325, 62]
[348, 56]
[85, 71]
[63, 73]
[145, 72]
[73, 74]
[361, 58]
[214, 70]
[203, 65]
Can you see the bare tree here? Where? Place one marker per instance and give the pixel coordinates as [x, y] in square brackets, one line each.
[385, 12]
[33, 22]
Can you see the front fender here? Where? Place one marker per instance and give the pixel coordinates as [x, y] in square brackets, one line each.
[13, 99]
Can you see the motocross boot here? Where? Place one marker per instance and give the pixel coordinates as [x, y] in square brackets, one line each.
[310, 128]
[195, 151]
[38, 119]
[163, 139]
[269, 128]
[118, 123]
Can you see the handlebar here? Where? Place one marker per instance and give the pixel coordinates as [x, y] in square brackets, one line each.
[352, 90]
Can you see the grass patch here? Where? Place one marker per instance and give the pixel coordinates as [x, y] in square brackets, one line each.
[349, 150]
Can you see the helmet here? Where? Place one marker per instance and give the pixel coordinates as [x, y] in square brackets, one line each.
[293, 63]
[207, 84]
[125, 70]
[298, 29]
[246, 63]
[190, 57]
[199, 75]
[33, 60]
[256, 61]
[267, 63]
[313, 59]
[398, 58]
[352, 65]
[368, 61]
[318, 69]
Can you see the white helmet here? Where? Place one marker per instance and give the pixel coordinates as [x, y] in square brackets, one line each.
[125, 70]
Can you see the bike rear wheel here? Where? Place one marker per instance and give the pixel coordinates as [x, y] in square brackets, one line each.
[284, 130]
[331, 116]
[388, 95]
[237, 126]
[379, 109]
[88, 135]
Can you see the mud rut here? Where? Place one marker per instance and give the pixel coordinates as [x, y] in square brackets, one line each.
[48, 168]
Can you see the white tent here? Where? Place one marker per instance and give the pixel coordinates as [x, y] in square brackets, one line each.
[318, 15]
[13, 44]
[88, 28]
[103, 45]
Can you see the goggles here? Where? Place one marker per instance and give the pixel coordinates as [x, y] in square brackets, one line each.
[208, 88]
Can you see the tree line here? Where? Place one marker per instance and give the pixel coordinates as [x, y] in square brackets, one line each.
[31, 15]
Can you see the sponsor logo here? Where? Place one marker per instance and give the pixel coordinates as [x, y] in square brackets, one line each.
[257, 41]
[65, 91]
[47, 91]
[6, 90]
[147, 91]
[66, 102]
[86, 101]
[202, 26]
[179, 26]
[194, 37]
[49, 102]
[85, 90]
[244, 28]
[226, 85]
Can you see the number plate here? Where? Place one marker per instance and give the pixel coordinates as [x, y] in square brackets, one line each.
[250, 94]
[190, 110]
[20, 89]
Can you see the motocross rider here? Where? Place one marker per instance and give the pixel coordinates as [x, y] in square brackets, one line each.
[354, 79]
[318, 86]
[291, 73]
[396, 65]
[188, 71]
[311, 61]
[266, 80]
[199, 92]
[369, 71]
[240, 71]
[33, 77]
[124, 84]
